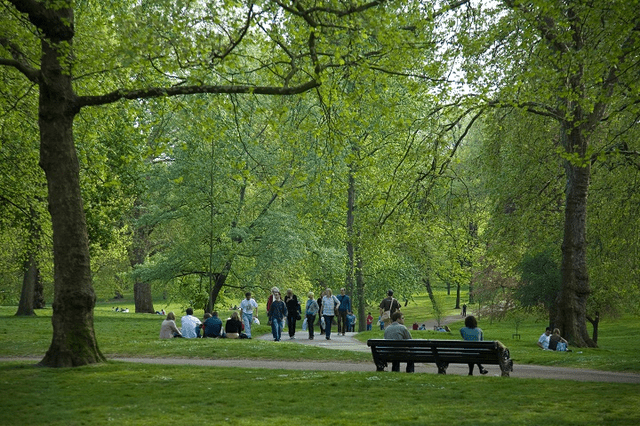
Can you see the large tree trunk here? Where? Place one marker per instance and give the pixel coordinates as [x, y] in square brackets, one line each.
[572, 301]
[73, 342]
[25, 307]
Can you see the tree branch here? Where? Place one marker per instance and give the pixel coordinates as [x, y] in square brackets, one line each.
[56, 24]
[19, 61]
[156, 92]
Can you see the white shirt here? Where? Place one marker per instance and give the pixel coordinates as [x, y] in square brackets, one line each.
[544, 340]
[248, 306]
[189, 324]
[329, 304]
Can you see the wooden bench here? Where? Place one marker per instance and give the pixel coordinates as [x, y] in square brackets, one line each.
[440, 352]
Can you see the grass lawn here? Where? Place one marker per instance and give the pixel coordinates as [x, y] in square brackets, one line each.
[128, 394]
[137, 394]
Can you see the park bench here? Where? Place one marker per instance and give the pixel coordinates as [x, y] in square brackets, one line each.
[440, 352]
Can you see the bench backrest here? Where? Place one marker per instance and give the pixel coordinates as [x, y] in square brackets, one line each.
[451, 351]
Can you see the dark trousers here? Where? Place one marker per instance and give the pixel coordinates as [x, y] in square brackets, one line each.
[471, 368]
[342, 321]
[395, 366]
[291, 325]
[310, 320]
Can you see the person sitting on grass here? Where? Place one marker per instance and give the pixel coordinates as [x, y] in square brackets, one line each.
[169, 329]
[213, 325]
[190, 325]
[557, 343]
[233, 327]
[543, 341]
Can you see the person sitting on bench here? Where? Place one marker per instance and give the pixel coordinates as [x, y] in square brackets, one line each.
[473, 333]
[397, 331]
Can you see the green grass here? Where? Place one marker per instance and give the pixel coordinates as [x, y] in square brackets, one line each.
[132, 394]
[138, 394]
[130, 334]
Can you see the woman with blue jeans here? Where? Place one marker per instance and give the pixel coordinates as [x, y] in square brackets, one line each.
[277, 313]
[330, 304]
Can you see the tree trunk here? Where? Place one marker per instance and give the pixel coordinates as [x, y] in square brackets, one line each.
[457, 296]
[25, 307]
[594, 322]
[138, 252]
[142, 298]
[362, 317]
[220, 279]
[572, 302]
[427, 284]
[38, 291]
[73, 342]
[351, 197]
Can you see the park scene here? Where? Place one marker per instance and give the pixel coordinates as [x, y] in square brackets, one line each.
[336, 189]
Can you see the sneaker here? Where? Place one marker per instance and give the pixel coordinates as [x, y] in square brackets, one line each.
[483, 371]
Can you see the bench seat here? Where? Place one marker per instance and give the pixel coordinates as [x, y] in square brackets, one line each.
[440, 352]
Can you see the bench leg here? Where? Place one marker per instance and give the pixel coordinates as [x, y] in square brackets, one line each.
[442, 367]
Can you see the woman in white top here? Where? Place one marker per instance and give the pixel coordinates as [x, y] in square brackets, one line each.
[330, 304]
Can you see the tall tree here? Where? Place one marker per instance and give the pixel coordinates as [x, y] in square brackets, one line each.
[174, 49]
[575, 63]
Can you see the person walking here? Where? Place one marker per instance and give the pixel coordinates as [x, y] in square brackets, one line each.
[277, 313]
[320, 318]
[249, 308]
[311, 311]
[397, 331]
[387, 307]
[293, 309]
[472, 332]
[343, 311]
[330, 304]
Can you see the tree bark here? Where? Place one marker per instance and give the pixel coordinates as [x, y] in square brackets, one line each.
[572, 301]
[25, 307]
[360, 284]
[351, 200]
[142, 295]
[73, 342]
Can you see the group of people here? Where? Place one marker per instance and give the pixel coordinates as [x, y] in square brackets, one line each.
[553, 341]
[212, 325]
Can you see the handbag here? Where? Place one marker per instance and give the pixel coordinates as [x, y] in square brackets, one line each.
[304, 324]
[387, 314]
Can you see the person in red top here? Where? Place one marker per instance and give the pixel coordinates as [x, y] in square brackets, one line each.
[369, 321]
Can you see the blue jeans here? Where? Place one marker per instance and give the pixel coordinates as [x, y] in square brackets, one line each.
[246, 320]
[328, 319]
[276, 329]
